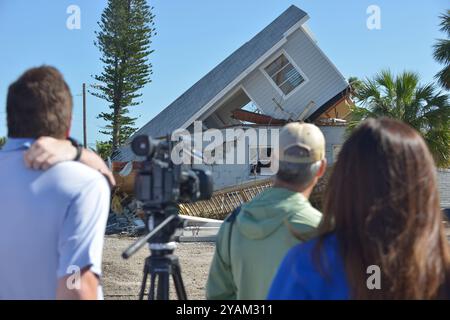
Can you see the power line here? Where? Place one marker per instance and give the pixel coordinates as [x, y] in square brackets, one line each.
[84, 116]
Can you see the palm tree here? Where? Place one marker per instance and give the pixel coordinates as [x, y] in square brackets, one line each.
[442, 52]
[402, 97]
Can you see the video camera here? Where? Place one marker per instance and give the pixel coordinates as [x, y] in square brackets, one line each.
[160, 182]
[161, 185]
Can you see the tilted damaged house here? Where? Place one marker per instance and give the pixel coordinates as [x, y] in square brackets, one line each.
[280, 75]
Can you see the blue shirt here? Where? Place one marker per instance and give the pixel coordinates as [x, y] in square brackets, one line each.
[52, 223]
[298, 277]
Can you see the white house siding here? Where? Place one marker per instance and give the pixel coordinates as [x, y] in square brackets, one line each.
[334, 138]
[444, 187]
[324, 81]
[226, 175]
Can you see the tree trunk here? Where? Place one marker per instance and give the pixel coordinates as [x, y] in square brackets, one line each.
[116, 128]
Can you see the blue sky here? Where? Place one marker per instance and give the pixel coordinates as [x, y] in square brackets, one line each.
[195, 35]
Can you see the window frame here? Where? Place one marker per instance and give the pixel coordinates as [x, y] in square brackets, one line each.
[296, 67]
[264, 171]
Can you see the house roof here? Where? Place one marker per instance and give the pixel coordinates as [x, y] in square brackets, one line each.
[182, 109]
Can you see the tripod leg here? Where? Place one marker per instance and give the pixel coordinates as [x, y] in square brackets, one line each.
[151, 293]
[144, 282]
[178, 280]
[163, 286]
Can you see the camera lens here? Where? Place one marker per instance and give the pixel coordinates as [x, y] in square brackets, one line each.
[142, 146]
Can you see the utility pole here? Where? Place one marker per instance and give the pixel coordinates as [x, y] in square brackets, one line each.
[84, 116]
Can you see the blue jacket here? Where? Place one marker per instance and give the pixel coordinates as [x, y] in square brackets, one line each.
[298, 277]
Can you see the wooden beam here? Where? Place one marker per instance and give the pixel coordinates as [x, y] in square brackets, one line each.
[257, 118]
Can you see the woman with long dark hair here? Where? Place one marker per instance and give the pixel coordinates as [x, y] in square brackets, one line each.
[382, 235]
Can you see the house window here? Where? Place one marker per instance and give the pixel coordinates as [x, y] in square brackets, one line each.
[284, 74]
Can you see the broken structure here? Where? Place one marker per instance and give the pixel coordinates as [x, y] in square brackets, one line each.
[280, 75]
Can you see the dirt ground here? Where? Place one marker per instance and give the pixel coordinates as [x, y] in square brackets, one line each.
[122, 278]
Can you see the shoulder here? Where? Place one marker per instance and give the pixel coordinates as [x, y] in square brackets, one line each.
[306, 214]
[302, 255]
[231, 218]
[329, 243]
[75, 169]
[76, 178]
[296, 274]
[304, 274]
[228, 223]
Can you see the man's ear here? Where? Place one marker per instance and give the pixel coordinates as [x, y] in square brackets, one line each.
[323, 168]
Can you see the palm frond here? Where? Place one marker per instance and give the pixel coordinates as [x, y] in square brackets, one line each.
[438, 141]
[441, 51]
[443, 77]
[402, 97]
[445, 22]
[385, 81]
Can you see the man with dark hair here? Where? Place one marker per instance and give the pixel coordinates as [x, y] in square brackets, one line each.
[53, 221]
[42, 97]
[252, 241]
[51, 114]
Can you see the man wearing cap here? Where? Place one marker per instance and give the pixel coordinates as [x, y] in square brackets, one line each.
[253, 240]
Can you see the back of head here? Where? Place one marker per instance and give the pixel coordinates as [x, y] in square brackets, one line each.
[39, 103]
[301, 153]
[383, 204]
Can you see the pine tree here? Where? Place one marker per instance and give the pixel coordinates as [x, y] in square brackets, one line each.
[124, 40]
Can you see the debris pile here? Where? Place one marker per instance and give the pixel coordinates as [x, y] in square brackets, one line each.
[123, 218]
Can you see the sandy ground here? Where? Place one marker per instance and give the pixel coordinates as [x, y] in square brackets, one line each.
[122, 278]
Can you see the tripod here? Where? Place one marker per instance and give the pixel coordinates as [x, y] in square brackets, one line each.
[162, 263]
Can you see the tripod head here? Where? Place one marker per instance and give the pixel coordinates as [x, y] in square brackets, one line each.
[161, 224]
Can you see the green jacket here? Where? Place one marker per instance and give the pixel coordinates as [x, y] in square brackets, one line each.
[247, 258]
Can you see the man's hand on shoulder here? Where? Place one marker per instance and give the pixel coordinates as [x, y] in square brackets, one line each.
[47, 151]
